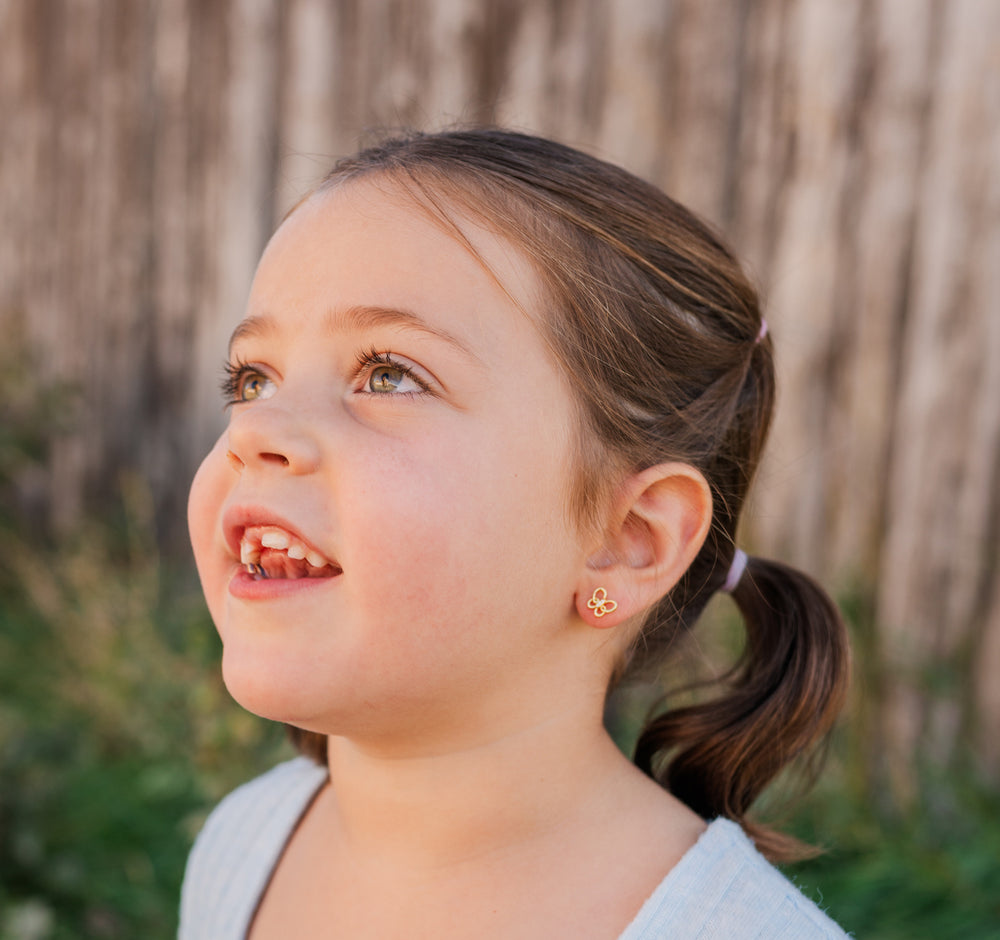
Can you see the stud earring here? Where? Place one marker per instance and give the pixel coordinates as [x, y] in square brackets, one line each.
[600, 604]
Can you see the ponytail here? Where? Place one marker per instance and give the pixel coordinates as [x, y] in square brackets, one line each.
[782, 697]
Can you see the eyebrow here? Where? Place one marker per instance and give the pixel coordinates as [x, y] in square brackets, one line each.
[358, 317]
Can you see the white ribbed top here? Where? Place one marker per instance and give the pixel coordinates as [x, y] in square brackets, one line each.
[722, 889]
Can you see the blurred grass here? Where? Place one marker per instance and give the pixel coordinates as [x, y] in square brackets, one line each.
[117, 736]
[926, 874]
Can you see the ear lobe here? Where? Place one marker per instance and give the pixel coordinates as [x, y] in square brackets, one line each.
[600, 609]
[660, 525]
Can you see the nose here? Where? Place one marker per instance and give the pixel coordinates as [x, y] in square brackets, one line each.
[262, 437]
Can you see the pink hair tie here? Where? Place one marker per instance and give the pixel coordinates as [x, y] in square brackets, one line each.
[763, 330]
[736, 570]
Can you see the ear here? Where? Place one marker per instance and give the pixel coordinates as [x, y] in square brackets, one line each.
[658, 526]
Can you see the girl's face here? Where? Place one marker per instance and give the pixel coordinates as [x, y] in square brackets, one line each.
[398, 420]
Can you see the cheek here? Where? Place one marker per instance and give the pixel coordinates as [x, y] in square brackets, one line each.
[480, 534]
[208, 492]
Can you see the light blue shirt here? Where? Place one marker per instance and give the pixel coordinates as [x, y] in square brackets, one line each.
[721, 889]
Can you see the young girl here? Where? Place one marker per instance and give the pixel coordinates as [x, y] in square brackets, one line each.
[494, 411]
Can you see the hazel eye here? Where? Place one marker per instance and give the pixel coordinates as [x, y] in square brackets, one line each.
[380, 374]
[254, 386]
[388, 379]
[243, 383]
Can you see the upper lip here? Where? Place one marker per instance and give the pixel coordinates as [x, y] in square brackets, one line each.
[237, 519]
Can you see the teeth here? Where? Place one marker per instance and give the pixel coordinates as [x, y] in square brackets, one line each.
[274, 538]
[256, 538]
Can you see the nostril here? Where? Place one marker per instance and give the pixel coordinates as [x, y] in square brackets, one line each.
[268, 440]
[267, 457]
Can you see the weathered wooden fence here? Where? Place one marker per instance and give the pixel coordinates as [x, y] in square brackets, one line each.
[850, 149]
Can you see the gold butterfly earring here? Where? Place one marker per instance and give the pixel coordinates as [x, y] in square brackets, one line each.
[600, 604]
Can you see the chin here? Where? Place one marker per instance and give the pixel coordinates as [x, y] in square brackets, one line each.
[265, 687]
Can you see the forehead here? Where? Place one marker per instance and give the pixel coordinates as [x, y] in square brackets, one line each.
[371, 236]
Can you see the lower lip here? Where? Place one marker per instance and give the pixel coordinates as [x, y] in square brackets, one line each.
[246, 587]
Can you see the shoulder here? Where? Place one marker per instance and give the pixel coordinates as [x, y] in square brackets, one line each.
[238, 846]
[723, 887]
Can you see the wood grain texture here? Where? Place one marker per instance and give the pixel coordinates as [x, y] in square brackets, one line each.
[850, 150]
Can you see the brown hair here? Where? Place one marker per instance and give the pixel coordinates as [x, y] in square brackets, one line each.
[660, 330]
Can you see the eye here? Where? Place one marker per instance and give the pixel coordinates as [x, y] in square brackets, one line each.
[383, 375]
[244, 382]
[390, 379]
[255, 386]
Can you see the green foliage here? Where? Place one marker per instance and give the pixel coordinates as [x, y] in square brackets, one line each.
[927, 874]
[116, 736]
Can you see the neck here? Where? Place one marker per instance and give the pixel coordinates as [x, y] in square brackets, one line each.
[434, 809]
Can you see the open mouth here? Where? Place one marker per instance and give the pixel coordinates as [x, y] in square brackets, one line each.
[270, 552]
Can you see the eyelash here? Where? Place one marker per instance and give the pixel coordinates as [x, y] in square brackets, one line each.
[236, 372]
[373, 358]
